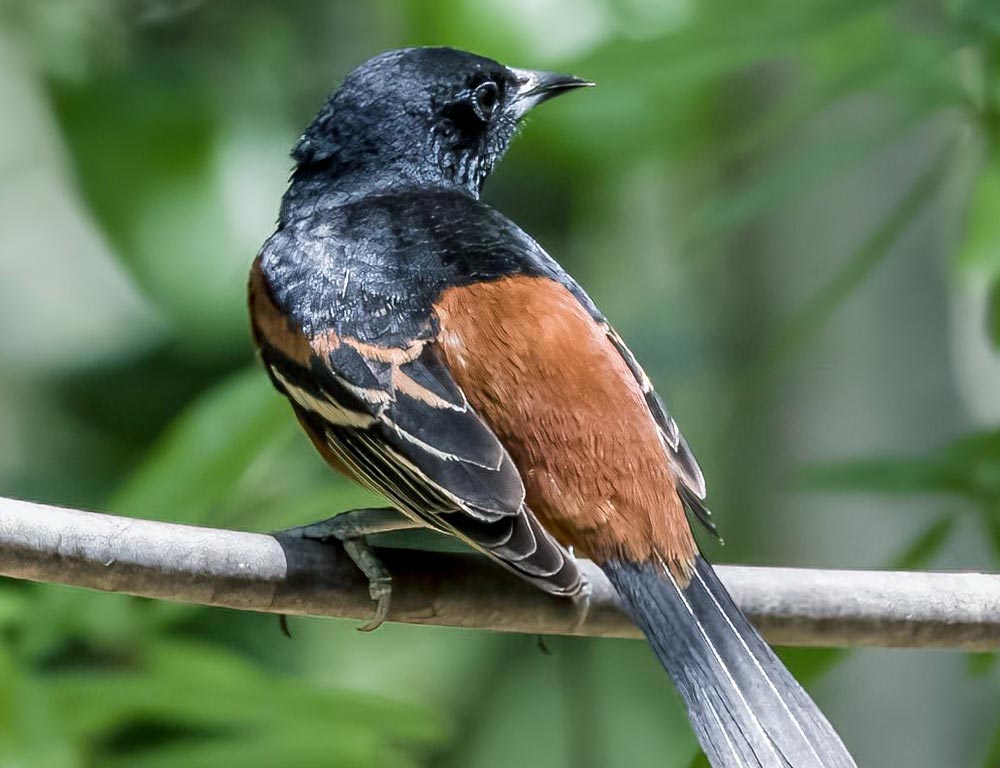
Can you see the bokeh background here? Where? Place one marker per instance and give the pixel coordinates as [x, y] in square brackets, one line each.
[791, 209]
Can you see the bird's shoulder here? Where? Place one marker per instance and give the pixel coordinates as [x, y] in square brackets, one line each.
[373, 267]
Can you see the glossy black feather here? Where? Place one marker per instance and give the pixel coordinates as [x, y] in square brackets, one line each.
[517, 541]
[435, 378]
[462, 458]
[745, 707]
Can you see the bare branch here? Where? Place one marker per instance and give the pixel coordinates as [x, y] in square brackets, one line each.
[275, 574]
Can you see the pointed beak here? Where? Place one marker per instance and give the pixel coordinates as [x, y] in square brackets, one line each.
[534, 87]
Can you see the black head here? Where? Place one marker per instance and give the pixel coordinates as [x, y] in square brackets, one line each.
[424, 115]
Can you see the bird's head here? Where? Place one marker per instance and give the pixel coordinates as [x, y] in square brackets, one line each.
[425, 115]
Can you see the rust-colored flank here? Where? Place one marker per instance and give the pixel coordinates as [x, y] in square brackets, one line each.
[562, 400]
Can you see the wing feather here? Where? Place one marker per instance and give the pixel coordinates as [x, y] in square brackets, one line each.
[394, 418]
[679, 453]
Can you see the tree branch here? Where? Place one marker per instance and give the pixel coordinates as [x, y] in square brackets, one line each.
[277, 574]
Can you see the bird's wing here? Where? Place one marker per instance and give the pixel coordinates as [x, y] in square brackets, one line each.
[393, 418]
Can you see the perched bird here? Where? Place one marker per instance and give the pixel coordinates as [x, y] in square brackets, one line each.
[436, 354]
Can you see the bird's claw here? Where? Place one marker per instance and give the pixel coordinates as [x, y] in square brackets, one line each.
[380, 590]
[352, 529]
[581, 602]
[379, 580]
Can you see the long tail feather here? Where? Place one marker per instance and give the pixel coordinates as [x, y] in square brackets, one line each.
[746, 708]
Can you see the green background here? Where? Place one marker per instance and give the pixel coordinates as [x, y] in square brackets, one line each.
[791, 210]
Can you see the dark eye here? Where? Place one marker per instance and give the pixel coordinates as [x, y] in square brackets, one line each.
[485, 99]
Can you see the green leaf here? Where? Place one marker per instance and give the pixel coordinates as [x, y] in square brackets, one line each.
[981, 664]
[994, 314]
[30, 732]
[806, 168]
[968, 468]
[14, 604]
[191, 471]
[321, 748]
[699, 761]
[979, 255]
[993, 758]
[169, 222]
[214, 700]
[980, 251]
[888, 476]
[197, 683]
[815, 312]
[923, 548]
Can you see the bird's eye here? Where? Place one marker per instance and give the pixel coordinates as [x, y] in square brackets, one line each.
[485, 99]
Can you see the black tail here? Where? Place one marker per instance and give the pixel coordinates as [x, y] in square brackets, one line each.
[746, 708]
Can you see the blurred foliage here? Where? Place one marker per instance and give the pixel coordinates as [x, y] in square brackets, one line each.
[969, 468]
[144, 152]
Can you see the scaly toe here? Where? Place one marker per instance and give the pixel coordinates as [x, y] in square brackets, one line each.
[582, 604]
[381, 592]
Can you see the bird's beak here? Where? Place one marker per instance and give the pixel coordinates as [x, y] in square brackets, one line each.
[534, 87]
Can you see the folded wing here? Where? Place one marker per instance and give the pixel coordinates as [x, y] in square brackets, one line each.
[393, 418]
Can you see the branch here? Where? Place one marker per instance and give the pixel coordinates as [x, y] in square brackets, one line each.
[277, 574]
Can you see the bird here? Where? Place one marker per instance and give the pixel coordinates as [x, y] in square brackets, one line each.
[436, 354]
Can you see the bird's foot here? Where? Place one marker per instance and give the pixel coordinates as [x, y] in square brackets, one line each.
[581, 602]
[352, 529]
[379, 580]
